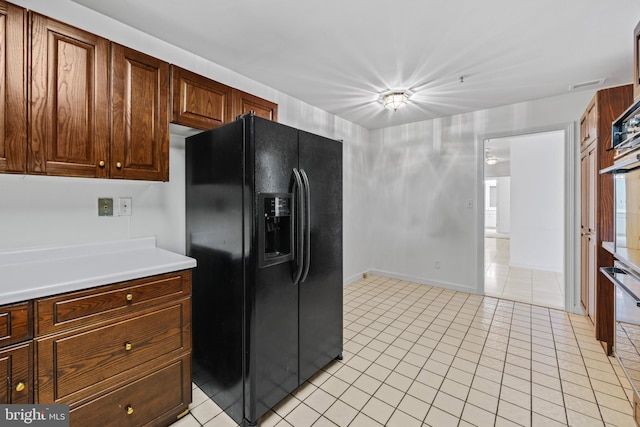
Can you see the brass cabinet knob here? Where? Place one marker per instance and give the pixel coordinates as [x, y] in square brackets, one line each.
[129, 409]
[119, 165]
[128, 346]
[20, 386]
[129, 297]
[101, 163]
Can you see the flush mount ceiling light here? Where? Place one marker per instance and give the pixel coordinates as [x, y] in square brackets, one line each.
[489, 159]
[395, 99]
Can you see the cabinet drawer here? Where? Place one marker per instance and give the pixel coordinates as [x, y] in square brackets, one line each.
[81, 308]
[15, 367]
[15, 323]
[154, 399]
[78, 363]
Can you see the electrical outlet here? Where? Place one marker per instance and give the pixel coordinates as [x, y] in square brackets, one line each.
[437, 265]
[105, 206]
[469, 203]
[124, 206]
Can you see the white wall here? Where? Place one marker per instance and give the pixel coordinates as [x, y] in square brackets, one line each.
[503, 208]
[49, 211]
[422, 176]
[537, 199]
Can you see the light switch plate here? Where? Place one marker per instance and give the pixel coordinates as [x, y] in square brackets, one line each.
[105, 206]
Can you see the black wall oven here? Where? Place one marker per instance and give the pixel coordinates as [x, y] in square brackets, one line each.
[627, 314]
[625, 273]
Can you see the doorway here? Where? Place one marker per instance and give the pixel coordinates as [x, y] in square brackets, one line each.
[524, 218]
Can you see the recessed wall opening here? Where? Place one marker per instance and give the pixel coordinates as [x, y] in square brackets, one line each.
[524, 218]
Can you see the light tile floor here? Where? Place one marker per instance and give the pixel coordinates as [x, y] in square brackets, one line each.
[519, 284]
[417, 355]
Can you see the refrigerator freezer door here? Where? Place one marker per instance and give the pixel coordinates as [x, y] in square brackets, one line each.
[271, 304]
[214, 229]
[320, 311]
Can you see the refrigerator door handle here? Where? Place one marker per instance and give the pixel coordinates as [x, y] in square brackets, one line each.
[307, 224]
[299, 225]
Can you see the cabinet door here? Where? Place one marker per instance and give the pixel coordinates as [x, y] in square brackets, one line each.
[13, 88]
[245, 102]
[140, 115]
[592, 122]
[15, 372]
[69, 100]
[591, 274]
[197, 101]
[591, 188]
[584, 271]
[584, 191]
[584, 131]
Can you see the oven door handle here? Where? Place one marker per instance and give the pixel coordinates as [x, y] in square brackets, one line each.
[610, 272]
[625, 166]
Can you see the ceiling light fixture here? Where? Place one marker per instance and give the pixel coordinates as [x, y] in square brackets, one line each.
[395, 99]
[491, 160]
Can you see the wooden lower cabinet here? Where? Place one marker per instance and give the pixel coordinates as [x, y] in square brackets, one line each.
[80, 362]
[16, 366]
[16, 353]
[118, 354]
[154, 398]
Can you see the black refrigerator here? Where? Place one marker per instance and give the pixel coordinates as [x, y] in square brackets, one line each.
[264, 222]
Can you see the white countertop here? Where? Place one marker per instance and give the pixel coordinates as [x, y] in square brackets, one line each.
[34, 273]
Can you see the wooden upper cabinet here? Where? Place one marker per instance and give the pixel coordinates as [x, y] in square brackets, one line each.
[140, 115]
[636, 62]
[588, 124]
[13, 88]
[197, 101]
[69, 100]
[245, 102]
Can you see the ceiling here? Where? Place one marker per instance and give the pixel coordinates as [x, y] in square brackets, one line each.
[341, 55]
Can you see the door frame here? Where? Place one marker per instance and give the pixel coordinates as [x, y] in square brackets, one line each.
[571, 207]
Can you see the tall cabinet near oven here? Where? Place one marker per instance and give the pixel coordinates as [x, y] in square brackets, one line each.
[596, 210]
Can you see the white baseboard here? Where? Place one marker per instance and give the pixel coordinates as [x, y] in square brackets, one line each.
[353, 278]
[422, 281]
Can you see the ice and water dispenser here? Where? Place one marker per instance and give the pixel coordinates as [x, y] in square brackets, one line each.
[275, 228]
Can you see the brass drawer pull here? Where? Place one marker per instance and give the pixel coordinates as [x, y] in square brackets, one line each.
[119, 165]
[129, 297]
[129, 410]
[128, 346]
[101, 164]
[20, 386]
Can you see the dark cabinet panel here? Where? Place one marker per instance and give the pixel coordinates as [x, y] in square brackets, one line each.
[199, 102]
[597, 205]
[69, 100]
[13, 88]
[140, 115]
[244, 103]
[16, 373]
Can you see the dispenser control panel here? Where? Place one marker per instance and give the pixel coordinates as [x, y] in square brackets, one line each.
[277, 206]
[275, 228]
